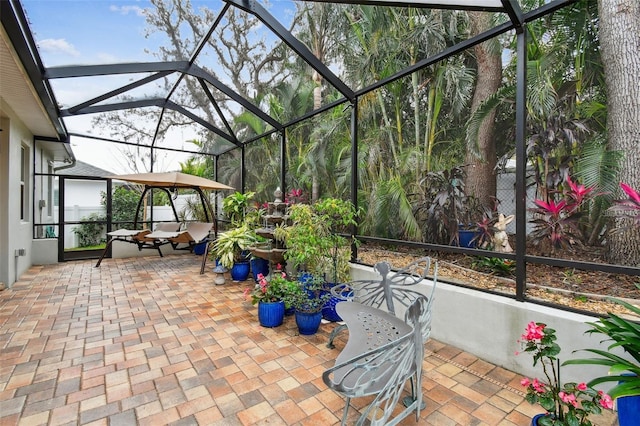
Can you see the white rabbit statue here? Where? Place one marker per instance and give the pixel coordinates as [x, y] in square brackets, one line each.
[500, 237]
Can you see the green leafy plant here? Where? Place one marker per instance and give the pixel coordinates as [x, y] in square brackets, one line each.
[230, 245]
[291, 291]
[495, 265]
[303, 238]
[313, 237]
[235, 206]
[90, 232]
[337, 215]
[568, 404]
[312, 297]
[570, 277]
[622, 333]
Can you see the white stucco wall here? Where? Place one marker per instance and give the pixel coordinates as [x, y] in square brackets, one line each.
[16, 233]
[4, 206]
[488, 326]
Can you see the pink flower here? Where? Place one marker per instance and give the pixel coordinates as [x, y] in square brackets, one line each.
[606, 401]
[582, 386]
[525, 382]
[568, 398]
[533, 331]
[538, 386]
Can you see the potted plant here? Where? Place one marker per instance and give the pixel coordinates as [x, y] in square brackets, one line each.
[291, 290]
[337, 216]
[308, 305]
[449, 214]
[568, 404]
[230, 249]
[235, 206]
[625, 334]
[303, 238]
[268, 295]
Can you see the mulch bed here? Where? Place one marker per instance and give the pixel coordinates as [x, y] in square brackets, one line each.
[584, 290]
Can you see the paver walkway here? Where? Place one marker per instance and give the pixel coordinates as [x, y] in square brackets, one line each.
[149, 341]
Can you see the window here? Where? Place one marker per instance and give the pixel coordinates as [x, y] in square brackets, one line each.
[50, 191]
[24, 188]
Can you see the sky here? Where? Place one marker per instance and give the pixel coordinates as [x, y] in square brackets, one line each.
[89, 32]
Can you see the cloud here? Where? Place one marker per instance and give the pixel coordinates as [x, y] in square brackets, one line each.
[125, 10]
[58, 45]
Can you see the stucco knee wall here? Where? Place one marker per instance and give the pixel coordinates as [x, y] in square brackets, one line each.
[489, 326]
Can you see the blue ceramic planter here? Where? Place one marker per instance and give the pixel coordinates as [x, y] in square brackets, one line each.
[259, 266]
[271, 314]
[465, 238]
[240, 271]
[329, 309]
[308, 323]
[199, 249]
[534, 421]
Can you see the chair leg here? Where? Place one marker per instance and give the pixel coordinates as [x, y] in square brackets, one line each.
[104, 252]
[346, 410]
[415, 393]
[204, 257]
[334, 334]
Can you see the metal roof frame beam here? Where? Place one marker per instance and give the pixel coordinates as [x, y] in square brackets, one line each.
[183, 67]
[256, 9]
[213, 101]
[471, 5]
[158, 102]
[72, 110]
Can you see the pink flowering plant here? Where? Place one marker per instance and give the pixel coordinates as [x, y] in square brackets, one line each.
[268, 290]
[557, 221]
[568, 404]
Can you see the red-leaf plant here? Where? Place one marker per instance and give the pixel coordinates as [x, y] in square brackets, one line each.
[557, 221]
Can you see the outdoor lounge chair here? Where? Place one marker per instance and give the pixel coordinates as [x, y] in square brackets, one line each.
[194, 233]
[140, 237]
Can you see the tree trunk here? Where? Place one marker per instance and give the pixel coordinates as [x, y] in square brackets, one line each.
[480, 169]
[620, 49]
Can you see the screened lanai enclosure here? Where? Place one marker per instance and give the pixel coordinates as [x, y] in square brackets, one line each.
[429, 116]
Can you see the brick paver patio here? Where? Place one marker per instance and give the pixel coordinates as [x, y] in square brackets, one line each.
[149, 341]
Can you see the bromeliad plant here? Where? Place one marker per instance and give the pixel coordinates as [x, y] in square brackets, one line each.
[568, 404]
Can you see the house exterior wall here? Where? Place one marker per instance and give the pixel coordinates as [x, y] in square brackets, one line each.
[15, 243]
[4, 205]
